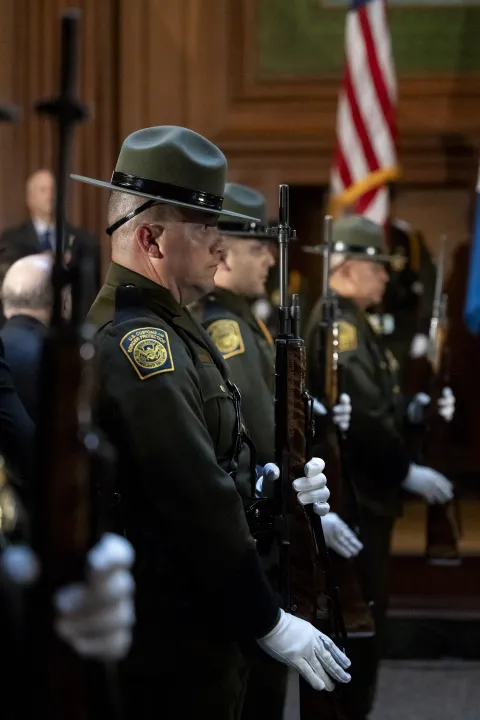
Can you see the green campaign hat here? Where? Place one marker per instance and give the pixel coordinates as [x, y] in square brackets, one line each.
[244, 200]
[171, 164]
[357, 237]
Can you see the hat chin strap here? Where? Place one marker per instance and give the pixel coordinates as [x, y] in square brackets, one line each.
[110, 230]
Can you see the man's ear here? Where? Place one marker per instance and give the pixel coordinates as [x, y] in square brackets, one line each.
[147, 237]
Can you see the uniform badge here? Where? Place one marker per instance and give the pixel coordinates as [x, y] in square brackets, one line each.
[226, 335]
[148, 350]
[347, 336]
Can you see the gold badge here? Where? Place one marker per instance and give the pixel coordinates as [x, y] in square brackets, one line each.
[398, 260]
[226, 335]
[347, 336]
[148, 350]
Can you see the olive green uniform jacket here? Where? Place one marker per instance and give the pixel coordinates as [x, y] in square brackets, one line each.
[166, 403]
[248, 350]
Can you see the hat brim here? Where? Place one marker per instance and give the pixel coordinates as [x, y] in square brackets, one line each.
[111, 186]
[245, 235]
[320, 250]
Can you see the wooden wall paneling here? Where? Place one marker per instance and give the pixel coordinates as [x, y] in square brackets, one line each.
[33, 58]
[153, 57]
[8, 196]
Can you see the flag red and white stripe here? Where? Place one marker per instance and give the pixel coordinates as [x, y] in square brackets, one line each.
[366, 153]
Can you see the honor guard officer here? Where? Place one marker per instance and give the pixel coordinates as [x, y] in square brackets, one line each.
[378, 463]
[248, 349]
[226, 313]
[168, 405]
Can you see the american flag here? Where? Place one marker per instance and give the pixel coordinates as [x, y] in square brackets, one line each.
[365, 155]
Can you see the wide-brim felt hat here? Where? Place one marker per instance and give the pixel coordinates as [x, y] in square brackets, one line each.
[171, 165]
[356, 237]
[244, 200]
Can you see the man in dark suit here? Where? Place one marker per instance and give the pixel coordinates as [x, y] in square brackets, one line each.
[38, 235]
[27, 302]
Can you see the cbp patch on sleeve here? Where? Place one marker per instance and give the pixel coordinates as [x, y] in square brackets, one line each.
[226, 335]
[347, 336]
[148, 350]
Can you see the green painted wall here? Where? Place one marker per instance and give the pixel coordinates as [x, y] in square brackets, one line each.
[305, 38]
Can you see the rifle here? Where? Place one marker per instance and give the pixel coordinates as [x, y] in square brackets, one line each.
[70, 454]
[432, 375]
[303, 552]
[325, 385]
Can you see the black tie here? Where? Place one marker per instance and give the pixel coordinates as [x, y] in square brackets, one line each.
[46, 241]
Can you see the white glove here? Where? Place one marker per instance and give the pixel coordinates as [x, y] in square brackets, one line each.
[265, 485]
[94, 617]
[339, 537]
[297, 643]
[342, 412]
[446, 404]
[310, 489]
[416, 408]
[428, 483]
[419, 346]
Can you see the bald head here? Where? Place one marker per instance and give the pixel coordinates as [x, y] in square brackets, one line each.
[26, 288]
[40, 195]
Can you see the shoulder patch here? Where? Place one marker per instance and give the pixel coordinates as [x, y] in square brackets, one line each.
[226, 335]
[347, 336]
[148, 350]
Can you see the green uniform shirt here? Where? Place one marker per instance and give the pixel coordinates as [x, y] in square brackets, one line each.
[165, 403]
[377, 458]
[249, 353]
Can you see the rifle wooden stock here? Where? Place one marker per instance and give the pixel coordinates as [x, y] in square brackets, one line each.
[298, 586]
[432, 449]
[431, 374]
[303, 555]
[301, 531]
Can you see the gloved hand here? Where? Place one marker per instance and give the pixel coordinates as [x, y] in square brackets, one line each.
[94, 617]
[419, 346]
[416, 408]
[446, 404]
[296, 643]
[312, 488]
[342, 412]
[339, 537]
[430, 484]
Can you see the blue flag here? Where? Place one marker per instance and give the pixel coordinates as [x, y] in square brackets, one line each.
[472, 304]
